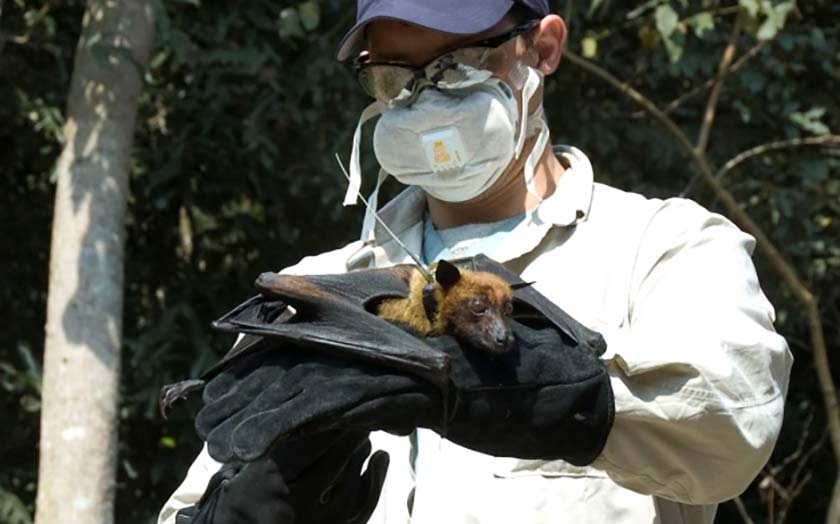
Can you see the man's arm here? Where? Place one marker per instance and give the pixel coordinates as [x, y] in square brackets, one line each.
[698, 371]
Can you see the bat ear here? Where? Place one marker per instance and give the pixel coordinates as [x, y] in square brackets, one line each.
[521, 285]
[446, 274]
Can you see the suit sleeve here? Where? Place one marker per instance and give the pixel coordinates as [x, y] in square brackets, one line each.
[699, 373]
[192, 488]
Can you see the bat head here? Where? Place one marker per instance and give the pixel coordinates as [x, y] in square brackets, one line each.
[475, 307]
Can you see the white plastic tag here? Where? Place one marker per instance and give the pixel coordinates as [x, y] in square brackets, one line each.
[444, 149]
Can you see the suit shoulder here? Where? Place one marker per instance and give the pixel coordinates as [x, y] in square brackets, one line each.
[615, 207]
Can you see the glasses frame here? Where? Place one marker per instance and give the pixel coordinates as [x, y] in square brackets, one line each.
[362, 62]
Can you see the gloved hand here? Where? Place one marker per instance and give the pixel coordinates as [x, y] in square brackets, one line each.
[549, 398]
[313, 480]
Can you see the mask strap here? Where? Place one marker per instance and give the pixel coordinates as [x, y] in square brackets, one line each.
[534, 157]
[531, 85]
[369, 222]
[352, 195]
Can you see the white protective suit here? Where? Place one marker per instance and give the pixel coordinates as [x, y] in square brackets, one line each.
[699, 373]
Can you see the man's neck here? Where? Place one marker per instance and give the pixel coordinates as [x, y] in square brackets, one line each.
[508, 197]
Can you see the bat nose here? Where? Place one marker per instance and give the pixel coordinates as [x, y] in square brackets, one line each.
[502, 337]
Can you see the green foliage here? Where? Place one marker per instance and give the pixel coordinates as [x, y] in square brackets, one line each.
[12, 510]
[811, 120]
[233, 174]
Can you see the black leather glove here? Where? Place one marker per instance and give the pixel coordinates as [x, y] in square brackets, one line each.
[313, 480]
[549, 398]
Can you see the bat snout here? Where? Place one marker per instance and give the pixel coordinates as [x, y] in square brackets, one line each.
[500, 337]
[504, 344]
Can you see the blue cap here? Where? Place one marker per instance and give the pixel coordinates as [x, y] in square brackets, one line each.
[461, 17]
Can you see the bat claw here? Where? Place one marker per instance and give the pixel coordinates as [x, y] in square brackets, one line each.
[171, 393]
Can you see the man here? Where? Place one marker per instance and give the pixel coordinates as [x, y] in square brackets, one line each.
[697, 372]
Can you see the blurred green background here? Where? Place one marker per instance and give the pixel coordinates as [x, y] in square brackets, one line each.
[233, 174]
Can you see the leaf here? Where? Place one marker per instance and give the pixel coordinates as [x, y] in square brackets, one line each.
[674, 49]
[750, 5]
[12, 509]
[776, 18]
[767, 30]
[594, 5]
[158, 59]
[815, 112]
[753, 80]
[590, 47]
[702, 23]
[818, 41]
[780, 13]
[130, 470]
[288, 24]
[743, 110]
[786, 41]
[811, 120]
[666, 20]
[310, 15]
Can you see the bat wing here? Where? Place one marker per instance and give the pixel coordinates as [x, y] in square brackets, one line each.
[528, 301]
[332, 313]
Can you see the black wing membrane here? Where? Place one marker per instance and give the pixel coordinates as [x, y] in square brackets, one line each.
[332, 313]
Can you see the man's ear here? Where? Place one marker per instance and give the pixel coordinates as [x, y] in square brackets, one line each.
[549, 42]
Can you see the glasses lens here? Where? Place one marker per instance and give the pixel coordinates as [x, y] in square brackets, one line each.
[388, 82]
[449, 69]
[385, 82]
[475, 57]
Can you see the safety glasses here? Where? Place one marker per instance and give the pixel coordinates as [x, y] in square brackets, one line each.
[390, 81]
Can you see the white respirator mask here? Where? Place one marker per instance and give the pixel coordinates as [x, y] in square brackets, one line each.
[455, 142]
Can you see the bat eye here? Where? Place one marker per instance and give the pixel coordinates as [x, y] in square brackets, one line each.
[478, 306]
[507, 308]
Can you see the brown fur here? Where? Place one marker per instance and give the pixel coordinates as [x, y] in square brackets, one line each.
[409, 311]
[456, 309]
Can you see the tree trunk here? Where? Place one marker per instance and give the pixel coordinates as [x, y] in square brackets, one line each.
[78, 448]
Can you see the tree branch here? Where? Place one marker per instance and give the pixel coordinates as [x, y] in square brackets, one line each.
[567, 14]
[714, 96]
[777, 261]
[738, 64]
[823, 140]
[834, 507]
[742, 510]
[640, 99]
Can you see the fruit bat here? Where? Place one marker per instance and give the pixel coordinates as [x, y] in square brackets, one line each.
[338, 314]
[472, 306]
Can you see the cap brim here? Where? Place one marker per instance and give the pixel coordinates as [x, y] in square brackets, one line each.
[460, 18]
